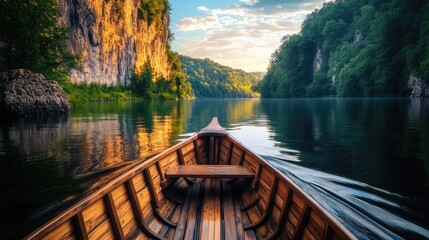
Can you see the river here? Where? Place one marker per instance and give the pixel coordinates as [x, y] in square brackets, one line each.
[365, 160]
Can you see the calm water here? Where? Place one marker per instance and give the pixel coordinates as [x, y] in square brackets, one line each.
[365, 160]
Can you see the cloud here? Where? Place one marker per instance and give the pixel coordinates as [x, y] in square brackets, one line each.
[243, 35]
[198, 23]
[202, 8]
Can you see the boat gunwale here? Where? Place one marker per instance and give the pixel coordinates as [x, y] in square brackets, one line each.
[134, 170]
[333, 222]
[101, 192]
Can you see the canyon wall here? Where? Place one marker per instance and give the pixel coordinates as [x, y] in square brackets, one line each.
[111, 40]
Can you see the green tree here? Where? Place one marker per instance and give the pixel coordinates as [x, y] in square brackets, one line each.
[142, 84]
[31, 37]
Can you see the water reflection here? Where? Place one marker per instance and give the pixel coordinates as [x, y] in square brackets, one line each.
[383, 143]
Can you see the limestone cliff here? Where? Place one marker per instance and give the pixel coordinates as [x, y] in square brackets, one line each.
[112, 41]
[418, 87]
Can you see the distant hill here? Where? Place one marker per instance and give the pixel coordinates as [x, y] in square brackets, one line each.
[211, 79]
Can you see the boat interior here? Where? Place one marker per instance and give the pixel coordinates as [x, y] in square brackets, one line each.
[207, 187]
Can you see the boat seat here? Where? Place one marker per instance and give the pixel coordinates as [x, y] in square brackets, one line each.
[209, 171]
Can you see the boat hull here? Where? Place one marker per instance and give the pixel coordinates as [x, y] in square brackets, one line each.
[146, 202]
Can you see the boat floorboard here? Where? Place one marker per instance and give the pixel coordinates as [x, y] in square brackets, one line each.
[210, 211]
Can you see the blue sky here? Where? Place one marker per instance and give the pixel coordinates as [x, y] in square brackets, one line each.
[238, 33]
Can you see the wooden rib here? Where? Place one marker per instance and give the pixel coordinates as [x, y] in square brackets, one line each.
[217, 146]
[197, 156]
[151, 187]
[113, 215]
[251, 203]
[189, 181]
[160, 171]
[327, 232]
[166, 195]
[302, 222]
[154, 199]
[180, 156]
[267, 211]
[283, 217]
[137, 209]
[228, 158]
[242, 158]
[211, 152]
[167, 182]
[79, 224]
[257, 177]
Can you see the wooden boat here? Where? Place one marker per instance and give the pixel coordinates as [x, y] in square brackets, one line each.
[207, 187]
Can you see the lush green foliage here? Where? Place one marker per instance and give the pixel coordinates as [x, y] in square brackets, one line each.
[210, 79]
[153, 11]
[144, 84]
[85, 93]
[183, 86]
[31, 37]
[368, 48]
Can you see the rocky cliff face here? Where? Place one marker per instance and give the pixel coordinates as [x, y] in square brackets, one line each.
[112, 41]
[317, 61]
[418, 87]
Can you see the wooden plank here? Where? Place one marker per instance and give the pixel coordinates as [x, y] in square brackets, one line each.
[80, 227]
[209, 171]
[113, 215]
[211, 217]
[104, 229]
[238, 217]
[94, 215]
[230, 217]
[217, 209]
[192, 230]
[64, 231]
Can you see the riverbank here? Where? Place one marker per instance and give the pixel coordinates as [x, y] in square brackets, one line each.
[84, 93]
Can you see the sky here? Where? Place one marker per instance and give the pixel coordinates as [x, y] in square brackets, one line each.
[241, 34]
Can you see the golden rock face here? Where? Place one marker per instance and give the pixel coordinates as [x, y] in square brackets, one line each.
[112, 42]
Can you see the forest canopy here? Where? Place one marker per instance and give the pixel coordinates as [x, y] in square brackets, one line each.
[363, 48]
[211, 79]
